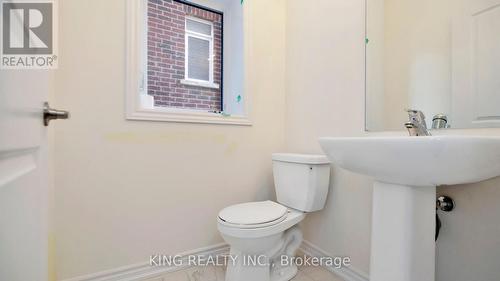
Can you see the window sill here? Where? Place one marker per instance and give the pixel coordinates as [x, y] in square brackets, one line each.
[200, 84]
[186, 116]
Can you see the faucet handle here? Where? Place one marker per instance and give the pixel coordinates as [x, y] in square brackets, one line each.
[416, 126]
[409, 110]
[414, 113]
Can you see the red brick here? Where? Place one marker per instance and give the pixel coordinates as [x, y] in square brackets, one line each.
[166, 36]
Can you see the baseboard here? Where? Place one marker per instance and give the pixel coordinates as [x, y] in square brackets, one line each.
[143, 271]
[346, 273]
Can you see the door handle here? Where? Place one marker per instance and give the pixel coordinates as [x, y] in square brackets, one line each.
[52, 114]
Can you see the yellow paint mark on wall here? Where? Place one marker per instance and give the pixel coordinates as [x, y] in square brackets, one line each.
[165, 138]
[231, 148]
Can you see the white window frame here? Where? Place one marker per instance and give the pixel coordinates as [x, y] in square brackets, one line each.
[138, 104]
[210, 38]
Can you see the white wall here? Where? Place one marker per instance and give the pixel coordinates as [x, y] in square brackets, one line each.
[125, 189]
[469, 246]
[325, 97]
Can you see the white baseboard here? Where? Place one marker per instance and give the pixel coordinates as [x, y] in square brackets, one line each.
[346, 273]
[143, 271]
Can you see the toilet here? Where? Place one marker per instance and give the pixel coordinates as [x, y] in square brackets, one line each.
[261, 234]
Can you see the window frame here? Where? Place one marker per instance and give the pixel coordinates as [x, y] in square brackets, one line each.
[211, 55]
[139, 105]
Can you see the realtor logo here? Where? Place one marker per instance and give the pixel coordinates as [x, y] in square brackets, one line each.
[28, 37]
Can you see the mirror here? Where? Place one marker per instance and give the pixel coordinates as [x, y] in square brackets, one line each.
[438, 56]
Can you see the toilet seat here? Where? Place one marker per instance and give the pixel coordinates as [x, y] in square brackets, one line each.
[292, 218]
[253, 215]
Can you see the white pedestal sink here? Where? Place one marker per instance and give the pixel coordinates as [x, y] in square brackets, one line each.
[406, 172]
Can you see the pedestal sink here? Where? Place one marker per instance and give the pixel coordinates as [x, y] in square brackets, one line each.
[406, 172]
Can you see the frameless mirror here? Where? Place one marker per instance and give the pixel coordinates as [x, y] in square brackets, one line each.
[438, 56]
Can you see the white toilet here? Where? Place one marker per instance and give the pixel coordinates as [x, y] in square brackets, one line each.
[260, 233]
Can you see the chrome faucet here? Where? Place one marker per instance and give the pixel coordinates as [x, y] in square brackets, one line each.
[440, 121]
[416, 125]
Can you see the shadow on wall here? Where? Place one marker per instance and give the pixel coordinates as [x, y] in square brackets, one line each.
[468, 247]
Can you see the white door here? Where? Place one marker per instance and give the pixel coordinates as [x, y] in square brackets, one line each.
[23, 175]
[476, 64]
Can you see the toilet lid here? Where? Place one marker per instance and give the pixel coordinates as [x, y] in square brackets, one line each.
[253, 213]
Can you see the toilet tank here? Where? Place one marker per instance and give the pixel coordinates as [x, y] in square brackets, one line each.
[301, 180]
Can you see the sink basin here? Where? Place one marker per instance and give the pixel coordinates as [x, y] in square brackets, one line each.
[418, 161]
[406, 172]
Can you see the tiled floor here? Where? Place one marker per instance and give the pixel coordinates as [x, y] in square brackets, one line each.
[217, 274]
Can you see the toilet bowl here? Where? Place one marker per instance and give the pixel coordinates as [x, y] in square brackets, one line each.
[263, 234]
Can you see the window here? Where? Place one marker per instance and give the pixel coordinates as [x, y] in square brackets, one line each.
[199, 52]
[184, 55]
[181, 66]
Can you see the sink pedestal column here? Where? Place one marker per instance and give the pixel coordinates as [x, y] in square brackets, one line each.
[403, 229]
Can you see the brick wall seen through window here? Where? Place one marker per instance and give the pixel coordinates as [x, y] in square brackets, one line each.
[167, 54]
